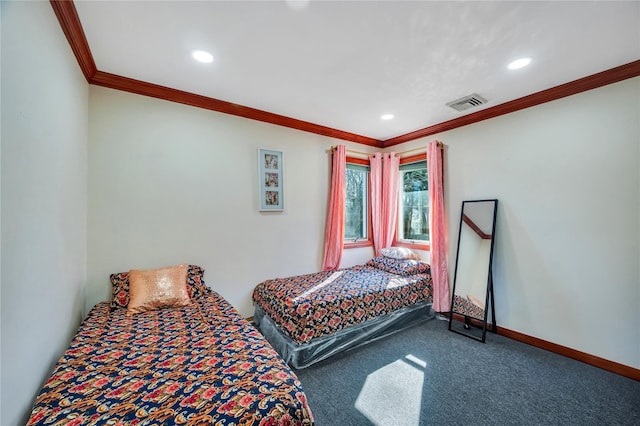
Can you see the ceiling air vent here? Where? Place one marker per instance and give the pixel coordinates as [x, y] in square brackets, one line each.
[467, 102]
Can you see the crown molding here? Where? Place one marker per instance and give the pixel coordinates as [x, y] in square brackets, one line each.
[70, 22]
[594, 81]
[67, 15]
[126, 84]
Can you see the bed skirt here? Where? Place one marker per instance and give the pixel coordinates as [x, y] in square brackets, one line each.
[302, 356]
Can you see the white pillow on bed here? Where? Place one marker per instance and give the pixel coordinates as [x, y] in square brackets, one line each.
[400, 253]
[403, 267]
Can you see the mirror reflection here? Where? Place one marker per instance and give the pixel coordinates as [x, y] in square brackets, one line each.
[473, 278]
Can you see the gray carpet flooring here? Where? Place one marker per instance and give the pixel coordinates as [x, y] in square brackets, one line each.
[427, 375]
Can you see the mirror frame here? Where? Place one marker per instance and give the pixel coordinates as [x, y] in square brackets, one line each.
[470, 322]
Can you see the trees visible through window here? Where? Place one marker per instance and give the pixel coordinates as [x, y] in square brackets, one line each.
[413, 214]
[356, 223]
[413, 204]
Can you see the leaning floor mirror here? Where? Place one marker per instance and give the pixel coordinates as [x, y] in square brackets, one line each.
[472, 298]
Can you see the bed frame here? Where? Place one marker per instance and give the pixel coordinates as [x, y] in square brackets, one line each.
[304, 355]
[309, 318]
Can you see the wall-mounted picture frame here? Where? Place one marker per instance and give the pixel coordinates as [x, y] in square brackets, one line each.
[271, 179]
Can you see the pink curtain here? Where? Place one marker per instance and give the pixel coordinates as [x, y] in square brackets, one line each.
[334, 229]
[375, 195]
[390, 176]
[438, 227]
[384, 173]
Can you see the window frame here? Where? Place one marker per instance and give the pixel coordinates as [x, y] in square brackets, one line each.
[426, 245]
[362, 242]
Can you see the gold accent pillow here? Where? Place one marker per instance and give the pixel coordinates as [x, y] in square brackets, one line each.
[154, 289]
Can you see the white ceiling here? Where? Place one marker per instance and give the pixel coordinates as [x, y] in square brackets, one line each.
[343, 64]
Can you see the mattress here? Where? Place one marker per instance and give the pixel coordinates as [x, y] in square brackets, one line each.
[200, 364]
[310, 317]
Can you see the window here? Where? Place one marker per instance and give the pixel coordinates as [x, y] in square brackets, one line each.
[356, 212]
[413, 200]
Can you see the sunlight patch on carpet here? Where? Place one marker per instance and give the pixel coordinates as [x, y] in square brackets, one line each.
[392, 394]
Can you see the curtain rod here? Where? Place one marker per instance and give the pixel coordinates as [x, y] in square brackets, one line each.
[333, 148]
[398, 154]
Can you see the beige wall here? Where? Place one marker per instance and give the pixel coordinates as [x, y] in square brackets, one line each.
[541, 163]
[166, 183]
[44, 196]
[566, 174]
[169, 183]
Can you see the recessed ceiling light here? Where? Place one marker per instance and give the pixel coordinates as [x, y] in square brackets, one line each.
[202, 56]
[297, 4]
[387, 116]
[519, 63]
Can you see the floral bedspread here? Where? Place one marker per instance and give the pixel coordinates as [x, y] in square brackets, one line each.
[200, 364]
[465, 307]
[322, 303]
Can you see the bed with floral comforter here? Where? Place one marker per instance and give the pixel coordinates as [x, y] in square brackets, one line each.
[310, 308]
[198, 364]
[467, 307]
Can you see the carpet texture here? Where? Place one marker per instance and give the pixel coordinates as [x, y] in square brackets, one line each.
[427, 375]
